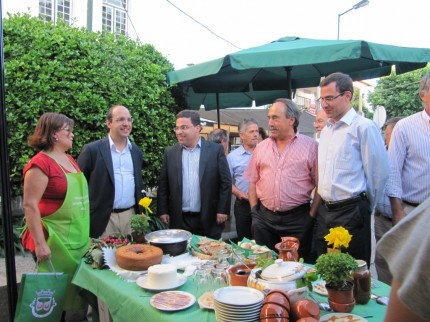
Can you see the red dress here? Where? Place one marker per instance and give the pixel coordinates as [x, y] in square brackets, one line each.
[55, 191]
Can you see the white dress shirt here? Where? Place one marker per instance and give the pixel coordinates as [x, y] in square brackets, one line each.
[352, 159]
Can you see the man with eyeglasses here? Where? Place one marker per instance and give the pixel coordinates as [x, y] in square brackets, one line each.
[113, 168]
[352, 168]
[194, 187]
[282, 173]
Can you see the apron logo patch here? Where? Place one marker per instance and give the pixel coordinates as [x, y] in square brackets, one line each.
[43, 304]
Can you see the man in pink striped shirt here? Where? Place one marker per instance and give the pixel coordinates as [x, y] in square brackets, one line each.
[282, 173]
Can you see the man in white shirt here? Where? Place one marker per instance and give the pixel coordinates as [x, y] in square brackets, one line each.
[352, 168]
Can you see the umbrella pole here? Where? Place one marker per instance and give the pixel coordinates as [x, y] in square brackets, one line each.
[289, 82]
[5, 191]
[217, 110]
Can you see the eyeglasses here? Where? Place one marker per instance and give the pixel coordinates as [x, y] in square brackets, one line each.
[181, 128]
[124, 119]
[329, 99]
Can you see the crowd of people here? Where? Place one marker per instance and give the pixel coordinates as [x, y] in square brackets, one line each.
[287, 184]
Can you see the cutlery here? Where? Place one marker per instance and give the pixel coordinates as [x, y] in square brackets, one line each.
[383, 300]
[240, 259]
[322, 305]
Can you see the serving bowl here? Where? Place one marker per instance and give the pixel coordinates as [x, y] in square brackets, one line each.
[284, 276]
[171, 241]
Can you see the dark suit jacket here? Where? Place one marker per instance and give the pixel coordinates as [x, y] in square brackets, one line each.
[215, 186]
[95, 161]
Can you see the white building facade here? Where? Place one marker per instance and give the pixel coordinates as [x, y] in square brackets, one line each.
[95, 15]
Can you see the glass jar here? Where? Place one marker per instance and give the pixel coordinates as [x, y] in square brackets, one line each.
[362, 282]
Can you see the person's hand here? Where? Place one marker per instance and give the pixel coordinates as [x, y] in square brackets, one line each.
[165, 219]
[43, 252]
[221, 218]
[242, 196]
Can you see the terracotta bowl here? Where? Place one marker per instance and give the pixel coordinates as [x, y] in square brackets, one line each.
[271, 311]
[238, 274]
[278, 297]
[305, 308]
[343, 308]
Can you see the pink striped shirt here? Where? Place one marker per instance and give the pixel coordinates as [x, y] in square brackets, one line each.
[285, 181]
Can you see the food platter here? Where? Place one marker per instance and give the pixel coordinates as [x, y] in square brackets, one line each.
[172, 301]
[142, 281]
[342, 317]
[319, 287]
[206, 301]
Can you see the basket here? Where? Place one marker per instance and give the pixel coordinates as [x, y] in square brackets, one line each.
[201, 255]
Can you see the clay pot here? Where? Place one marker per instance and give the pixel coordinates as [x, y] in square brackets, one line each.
[305, 308]
[238, 274]
[274, 312]
[343, 296]
[288, 249]
[279, 297]
[342, 307]
[138, 239]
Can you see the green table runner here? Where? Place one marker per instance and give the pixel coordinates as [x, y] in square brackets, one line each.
[129, 302]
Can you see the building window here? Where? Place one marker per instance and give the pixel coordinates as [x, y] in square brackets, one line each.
[115, 16]
[55, 10]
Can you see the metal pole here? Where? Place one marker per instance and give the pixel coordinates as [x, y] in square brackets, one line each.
[217, 110]
[5, 190]
[338, 25]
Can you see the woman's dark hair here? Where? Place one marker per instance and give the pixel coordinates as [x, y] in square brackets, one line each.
[262, 132]
[48, 124]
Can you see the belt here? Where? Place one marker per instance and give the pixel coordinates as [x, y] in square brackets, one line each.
[286, 212]
[413, 204]
[340, 203]
[190, 213]
[118, 210]
[242, 201]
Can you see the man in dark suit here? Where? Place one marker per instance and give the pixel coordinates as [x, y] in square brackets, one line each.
[113, 168]
[194, 188]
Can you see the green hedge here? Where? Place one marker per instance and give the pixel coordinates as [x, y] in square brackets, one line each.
[81, 74]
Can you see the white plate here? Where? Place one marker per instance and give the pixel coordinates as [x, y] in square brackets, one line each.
[206, 301]
[172, 300]
[319, 287]
[143, 282]
[238, 295]
[340, 317]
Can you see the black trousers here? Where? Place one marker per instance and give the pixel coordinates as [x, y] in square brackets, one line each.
[242, 214]
[268, 227]
[193, 223]
[356, 218]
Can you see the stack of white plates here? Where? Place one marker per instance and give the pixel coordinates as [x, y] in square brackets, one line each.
[237, 304]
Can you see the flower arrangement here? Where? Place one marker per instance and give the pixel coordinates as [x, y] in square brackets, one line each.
[335, 267]
[144, 223]
[339, 237]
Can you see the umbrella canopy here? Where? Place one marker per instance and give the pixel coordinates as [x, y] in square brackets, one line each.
[273, 70]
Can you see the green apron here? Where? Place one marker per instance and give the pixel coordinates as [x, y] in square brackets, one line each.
[69, 231]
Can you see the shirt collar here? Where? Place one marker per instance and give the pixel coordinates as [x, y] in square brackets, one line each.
[198, 145]
[347, 118]
[112, 144]
[426, 117]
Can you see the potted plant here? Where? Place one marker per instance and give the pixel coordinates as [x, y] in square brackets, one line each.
[144, 223]
[335, 269]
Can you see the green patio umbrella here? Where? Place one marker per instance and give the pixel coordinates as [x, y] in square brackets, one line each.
[273, 70]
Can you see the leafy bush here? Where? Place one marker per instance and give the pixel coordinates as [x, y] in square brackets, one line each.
[335, 268]
[81, 74]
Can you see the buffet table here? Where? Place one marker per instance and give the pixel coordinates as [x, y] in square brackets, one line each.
[129, 302]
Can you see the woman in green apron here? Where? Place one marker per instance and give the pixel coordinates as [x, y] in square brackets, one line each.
[56, 202]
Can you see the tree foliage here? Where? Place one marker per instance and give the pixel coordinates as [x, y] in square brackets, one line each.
[399, 93]
[81, 74]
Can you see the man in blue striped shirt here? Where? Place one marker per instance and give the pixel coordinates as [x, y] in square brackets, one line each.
[409, 153]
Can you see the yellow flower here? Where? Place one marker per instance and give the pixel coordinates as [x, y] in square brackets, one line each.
[339, 237]
[145, 202]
